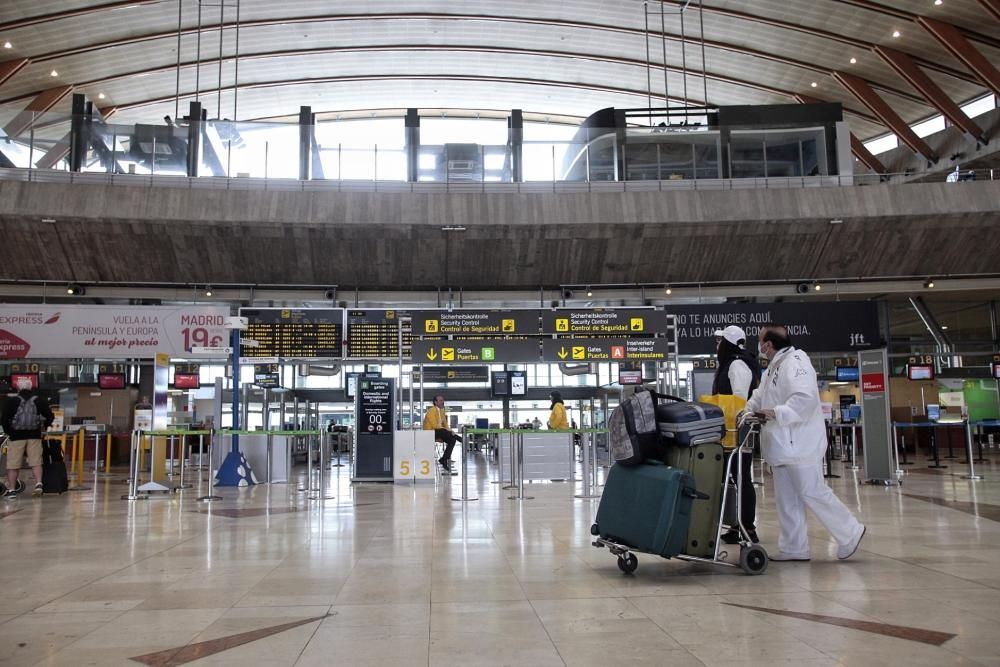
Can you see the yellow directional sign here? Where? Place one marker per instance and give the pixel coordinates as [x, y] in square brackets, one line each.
[562, 324]
[432, 354]
[480, 350]
[635, 324]
[447, 354]
[508, 326]
[562, 353]
[606, 349]
[579, 352]
[431, 326]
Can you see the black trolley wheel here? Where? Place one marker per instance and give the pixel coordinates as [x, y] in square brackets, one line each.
[628, 563]
[753, 559]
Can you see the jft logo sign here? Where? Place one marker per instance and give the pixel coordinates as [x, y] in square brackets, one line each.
[858, 340]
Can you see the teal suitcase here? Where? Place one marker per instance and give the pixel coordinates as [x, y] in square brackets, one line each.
[706, 463]
[646, 507]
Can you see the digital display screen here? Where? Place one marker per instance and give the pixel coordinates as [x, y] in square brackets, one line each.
[110, 380]
[375, 333]
[518, 383]
[933, 412]
[629, 377]
[186, 381]
[996, 370]
[847, 374]
[19, 381]
[352, 384]
[500, 383]
[292, 332]
[915, 372]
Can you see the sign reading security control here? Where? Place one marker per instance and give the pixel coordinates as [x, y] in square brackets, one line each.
[489, 322]
[620, 321]
[489, 351]
[605, 349]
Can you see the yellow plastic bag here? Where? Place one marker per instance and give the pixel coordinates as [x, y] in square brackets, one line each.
[731, 407]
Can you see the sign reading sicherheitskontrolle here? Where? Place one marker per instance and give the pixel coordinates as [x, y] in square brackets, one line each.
[605, 321]
[475, 322]
[108, 332]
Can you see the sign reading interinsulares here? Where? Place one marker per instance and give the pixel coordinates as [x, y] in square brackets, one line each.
[814, 327]
[108, 332]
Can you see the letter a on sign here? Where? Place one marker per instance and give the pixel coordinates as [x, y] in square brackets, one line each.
[617, 352]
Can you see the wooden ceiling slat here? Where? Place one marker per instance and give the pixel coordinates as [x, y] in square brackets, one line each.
[960, 47]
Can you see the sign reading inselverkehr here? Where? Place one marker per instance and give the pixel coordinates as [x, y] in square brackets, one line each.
[489, 351]
[619, 321]
[480, 322]
[605, 349]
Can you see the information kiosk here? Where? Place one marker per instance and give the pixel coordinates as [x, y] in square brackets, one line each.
[375, 419]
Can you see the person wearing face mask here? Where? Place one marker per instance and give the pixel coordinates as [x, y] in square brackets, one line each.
[793, 438]
[738, 374]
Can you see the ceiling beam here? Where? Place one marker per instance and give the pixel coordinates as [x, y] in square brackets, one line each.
[61, 148]
[960, 47]
[895, 12]
[867, 158]
[907, 69]
[992, 6]
[861, 90]
[9, 68]
[43, 102]
[70, 13]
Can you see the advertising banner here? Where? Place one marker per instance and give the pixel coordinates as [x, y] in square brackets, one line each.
[108, 332]
[821, 326]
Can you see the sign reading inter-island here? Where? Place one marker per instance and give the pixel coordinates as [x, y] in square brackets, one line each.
[615, 321]
[605, 349]
[475, 322]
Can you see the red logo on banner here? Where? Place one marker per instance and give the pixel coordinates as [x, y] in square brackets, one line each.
[53, 319]
[12, 347]
[872, 383]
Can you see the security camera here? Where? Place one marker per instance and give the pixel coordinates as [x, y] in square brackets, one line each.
[330, 294]
[567, 294]
[802, 288]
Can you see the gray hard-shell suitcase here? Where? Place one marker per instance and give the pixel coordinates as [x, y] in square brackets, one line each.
[706, 464]
[683, 422]
[647, 507]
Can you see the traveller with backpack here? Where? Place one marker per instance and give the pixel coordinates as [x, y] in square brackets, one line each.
[24, 418]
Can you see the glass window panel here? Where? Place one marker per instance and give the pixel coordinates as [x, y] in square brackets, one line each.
[746, 155]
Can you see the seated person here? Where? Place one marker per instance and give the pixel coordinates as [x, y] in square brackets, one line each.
[436, 419]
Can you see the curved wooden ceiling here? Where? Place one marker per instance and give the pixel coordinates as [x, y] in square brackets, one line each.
[545, 57]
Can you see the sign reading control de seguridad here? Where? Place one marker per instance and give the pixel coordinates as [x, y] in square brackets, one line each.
[474, 322]
[617, 321]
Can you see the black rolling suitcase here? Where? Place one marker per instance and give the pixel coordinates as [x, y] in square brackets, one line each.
[682, 422]
[54, 477]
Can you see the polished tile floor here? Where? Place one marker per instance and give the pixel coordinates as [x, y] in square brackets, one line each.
[404, 575]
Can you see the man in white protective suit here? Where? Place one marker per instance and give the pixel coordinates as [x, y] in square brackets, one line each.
[793, 441]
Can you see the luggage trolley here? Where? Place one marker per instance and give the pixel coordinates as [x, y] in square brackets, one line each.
[753, 557]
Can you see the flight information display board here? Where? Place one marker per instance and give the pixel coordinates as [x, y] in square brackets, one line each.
[292, 332]
[375, 333]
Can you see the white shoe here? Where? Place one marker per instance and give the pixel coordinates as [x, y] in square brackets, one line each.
[846, 551]
[788, 557]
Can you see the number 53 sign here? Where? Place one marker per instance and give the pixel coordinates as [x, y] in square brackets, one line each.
[413, 456]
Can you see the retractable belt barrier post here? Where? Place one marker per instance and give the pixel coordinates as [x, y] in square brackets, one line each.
[465, 467]
[210, 468]
[588, 470]
[972, 476]
[136, 447]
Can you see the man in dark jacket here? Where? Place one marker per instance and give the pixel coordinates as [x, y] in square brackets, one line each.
[24, 418]
[738, 374]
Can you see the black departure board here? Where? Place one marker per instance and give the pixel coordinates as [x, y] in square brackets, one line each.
[292, 333]
[375, 333]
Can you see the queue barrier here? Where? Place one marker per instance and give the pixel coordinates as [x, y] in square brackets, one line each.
[967, 427]
[516, 458]
[137, 451]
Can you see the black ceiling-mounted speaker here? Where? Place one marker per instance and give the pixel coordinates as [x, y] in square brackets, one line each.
[802, 288]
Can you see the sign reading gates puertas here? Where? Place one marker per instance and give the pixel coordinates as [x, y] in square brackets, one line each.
[108, 332]
[820, 326]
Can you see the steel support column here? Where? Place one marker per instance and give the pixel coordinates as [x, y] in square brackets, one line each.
[194, 139]
[307, 134]
[515, 126]
[412, 125]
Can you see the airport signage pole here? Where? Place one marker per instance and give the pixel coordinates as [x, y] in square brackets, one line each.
[879, 464]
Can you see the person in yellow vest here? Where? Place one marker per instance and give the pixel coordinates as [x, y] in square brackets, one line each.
[436, 419]
[557, 416]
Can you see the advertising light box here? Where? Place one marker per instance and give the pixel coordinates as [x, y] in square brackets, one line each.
[919, 372]
[110, 381]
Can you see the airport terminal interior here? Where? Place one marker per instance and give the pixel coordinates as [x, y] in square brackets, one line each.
[339, 333]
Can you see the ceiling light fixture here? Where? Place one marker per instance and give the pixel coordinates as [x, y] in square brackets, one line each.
[854, 61]
[929, 284]
[75, 290]
[813, 84]
[53, 73]
[895, 33]
[208, 290]
[938, 2]
[590, 292]
[100, 96]
[817, 287]
[668, 290]
[944, 327]
[8, 45]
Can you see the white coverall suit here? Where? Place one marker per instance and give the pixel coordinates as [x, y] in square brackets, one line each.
[793, 443]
